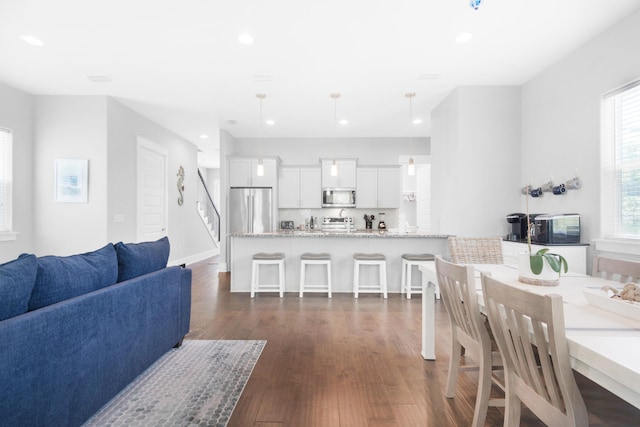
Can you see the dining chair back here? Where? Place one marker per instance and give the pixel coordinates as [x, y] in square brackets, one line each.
[621, 270]
[475, 250]
[469, 330]
[529, 330]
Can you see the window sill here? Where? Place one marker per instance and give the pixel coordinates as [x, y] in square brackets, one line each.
[627, 247]
[8, 236]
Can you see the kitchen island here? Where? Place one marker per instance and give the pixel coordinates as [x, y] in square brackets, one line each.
[340, 245]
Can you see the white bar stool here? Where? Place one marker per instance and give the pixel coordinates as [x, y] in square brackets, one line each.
[315, 259]
[378, 260]
[408, 262]
[267, 259]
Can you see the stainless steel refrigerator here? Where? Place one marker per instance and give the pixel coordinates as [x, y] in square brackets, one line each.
[250, 210]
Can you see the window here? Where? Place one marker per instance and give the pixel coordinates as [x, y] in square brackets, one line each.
[620, 163]
[5, 180]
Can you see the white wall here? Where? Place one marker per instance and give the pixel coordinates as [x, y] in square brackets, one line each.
[561, 119]
[103, 131]
[16, 113]
[474, 152]
[187, 234]
[72, 127]
[309, 151]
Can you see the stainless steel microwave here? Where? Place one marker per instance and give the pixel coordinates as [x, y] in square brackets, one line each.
[338, 198]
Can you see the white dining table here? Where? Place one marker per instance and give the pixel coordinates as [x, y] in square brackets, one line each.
[604, 346]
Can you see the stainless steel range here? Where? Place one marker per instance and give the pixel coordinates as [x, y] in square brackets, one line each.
[337, 224]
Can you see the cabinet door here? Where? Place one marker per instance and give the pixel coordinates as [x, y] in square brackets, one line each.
[289, 188]
[240, 172]
[510, 251]
[389, 187]
[310, 188]
[270, 177]
[346, 177]
[367, 188]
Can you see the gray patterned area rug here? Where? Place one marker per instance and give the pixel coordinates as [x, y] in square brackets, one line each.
[196, 384]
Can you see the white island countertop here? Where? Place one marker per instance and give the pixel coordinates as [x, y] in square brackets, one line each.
[355, 233]
[341, 245]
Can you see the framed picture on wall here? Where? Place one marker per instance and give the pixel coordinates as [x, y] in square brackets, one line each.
[71, 180]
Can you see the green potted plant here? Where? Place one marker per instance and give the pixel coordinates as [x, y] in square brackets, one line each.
[533, 269]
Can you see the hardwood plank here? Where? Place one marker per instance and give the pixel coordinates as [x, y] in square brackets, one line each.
[343, 362]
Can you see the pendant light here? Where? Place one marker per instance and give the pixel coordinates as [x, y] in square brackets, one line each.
[411, 168]
[334, 166]
[260, 169]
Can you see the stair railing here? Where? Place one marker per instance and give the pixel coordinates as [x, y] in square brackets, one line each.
[209, 208]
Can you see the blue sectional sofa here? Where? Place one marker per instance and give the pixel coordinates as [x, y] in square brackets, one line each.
[74, 331]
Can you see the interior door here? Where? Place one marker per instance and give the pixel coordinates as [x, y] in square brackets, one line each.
[152, 191]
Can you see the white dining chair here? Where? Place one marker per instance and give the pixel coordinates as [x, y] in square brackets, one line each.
[621, 270]
[469, 330]
[529, 330]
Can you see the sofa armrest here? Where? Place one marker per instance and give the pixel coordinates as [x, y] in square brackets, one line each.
[185, 302]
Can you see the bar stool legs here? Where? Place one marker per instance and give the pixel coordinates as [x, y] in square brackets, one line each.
[408, 261]
[315, 259]
[379, 260]
[267, 259]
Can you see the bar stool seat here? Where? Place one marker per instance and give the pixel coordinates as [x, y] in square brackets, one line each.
[374, 259]
[408, 262]
[309, 258]
[263, 258]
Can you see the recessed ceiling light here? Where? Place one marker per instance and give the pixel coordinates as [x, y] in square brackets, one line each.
[245, 38]
[344, 122]
[99, 79]
[33, 41]
[429, 76]
[464, 37]
[270, 122]
[417, 121]
[204, 136]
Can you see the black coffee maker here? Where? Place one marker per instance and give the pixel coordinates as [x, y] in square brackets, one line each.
[518, 223]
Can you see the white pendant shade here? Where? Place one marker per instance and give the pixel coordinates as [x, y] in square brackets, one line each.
[411, 168]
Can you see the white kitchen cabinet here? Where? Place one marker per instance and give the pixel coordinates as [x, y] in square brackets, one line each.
[576, 255]
[346, 177]
[243, 172]
[389, 187]
[299, 187]
[379, 187]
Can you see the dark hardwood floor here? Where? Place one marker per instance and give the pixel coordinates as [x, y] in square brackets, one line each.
[350, 362]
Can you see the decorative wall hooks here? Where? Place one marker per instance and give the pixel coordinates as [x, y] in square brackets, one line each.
[548, 187]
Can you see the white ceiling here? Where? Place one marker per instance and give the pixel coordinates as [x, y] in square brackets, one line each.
[179, 62]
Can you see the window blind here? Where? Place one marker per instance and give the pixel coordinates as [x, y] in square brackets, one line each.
[620, 163]
[5, 179]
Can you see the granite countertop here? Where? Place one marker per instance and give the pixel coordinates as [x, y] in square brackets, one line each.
[357, 233]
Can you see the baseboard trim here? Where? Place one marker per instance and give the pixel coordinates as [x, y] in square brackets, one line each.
[195, 258]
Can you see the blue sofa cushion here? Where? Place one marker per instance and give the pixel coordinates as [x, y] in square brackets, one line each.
[61, 278]
[136, 259]
[16, 283]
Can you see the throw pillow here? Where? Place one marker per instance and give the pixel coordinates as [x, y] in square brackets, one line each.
[136, 259]
[61, 278]
[16, 283]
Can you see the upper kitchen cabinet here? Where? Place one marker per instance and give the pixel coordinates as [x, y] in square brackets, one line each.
[300, 187]
[379, 187]
[243, 172]
[346, 177]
